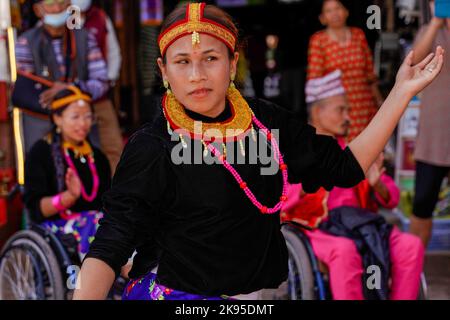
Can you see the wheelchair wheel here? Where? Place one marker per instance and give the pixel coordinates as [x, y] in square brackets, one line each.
[423, 289]
[29, 269]
[300, 283]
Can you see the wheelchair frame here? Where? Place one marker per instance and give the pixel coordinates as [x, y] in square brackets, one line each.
[43, 249]
[321, 288]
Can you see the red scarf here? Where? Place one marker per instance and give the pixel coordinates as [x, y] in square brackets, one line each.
[363, 193]
[309, 211]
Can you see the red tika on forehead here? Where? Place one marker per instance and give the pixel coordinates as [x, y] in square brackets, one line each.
[195, 23]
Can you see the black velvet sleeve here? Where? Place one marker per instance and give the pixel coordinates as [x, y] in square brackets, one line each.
[314, 160]
[39, 178]
[131, 205]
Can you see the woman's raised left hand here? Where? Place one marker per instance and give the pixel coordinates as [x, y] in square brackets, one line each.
[411, 79]
[73, 184]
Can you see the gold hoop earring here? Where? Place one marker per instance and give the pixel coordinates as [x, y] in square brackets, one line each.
[166, 85]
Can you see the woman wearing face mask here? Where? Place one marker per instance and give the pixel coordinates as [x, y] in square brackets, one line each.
[209, 225]
[345, 48]
[65, 56]
[65, 176]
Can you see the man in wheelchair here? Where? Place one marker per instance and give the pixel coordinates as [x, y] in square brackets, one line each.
[342, 221]
[65, 176]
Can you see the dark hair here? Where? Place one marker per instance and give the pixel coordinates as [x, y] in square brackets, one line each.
[343, 2]
[212, 13]
[63, 94]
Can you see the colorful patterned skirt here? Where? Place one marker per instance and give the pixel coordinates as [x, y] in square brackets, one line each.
[146, 288]
[82, 226]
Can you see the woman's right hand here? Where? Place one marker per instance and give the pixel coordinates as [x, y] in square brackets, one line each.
[73, 184]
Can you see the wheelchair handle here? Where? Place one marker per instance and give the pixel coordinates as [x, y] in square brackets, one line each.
[16, 189]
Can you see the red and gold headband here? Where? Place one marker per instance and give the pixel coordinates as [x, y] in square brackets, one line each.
[76, 96]
[195, 23]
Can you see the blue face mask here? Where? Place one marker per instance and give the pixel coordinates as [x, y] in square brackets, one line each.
[57, 19]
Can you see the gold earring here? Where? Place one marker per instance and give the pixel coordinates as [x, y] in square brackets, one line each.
[232, 76]
[166, 85]
[58, 130]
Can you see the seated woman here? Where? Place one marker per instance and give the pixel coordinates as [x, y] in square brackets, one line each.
[65, 176]
[328, 113]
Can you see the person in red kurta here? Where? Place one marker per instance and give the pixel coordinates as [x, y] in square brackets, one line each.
[345, 48]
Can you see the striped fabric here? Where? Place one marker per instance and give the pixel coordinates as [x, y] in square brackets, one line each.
[324, 87]
[96, 85]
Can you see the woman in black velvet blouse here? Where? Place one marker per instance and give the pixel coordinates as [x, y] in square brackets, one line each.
[212, 229]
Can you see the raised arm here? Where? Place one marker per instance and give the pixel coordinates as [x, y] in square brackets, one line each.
[411, 79]
[424, 40]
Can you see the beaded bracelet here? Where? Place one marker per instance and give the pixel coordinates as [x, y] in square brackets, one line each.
[56, 202]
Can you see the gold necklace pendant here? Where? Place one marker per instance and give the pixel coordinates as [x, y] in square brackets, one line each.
[253, 133]
[79, 151]
[232, 129]
[205, 149]
[241, 146]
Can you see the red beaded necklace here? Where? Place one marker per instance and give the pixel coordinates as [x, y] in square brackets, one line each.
[237, 101]
[84, 152]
